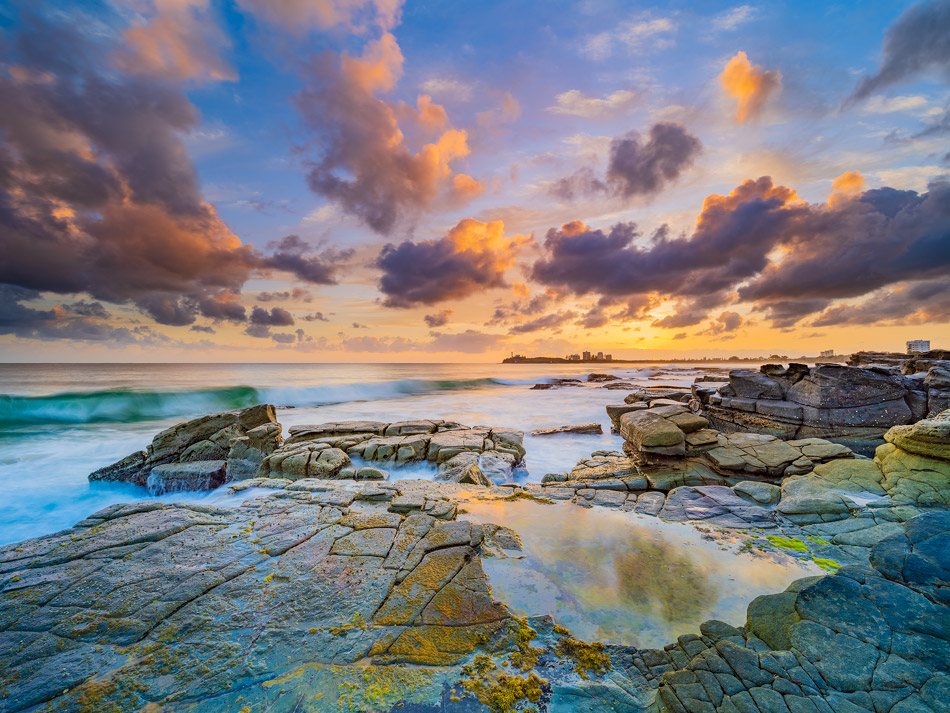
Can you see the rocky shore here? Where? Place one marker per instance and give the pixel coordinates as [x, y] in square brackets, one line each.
[332, 587]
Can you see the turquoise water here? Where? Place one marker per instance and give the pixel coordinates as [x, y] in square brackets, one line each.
[60, 422]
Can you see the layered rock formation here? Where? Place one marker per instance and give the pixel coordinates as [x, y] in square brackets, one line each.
[827, 400]
[200, 454]
[207, 452]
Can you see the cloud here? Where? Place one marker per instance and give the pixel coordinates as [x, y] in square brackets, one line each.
[276, 317]
[289, 255]
[449, 87]
[78, 321]
[300, 15]
[471, 258]
[97, 193]
[297, 294]
[470, 342]
[636, 167]
[889, 105]
[575, 103]
[316, 317]
[439, 319]
[640, 34]
[180, 40]
[201, 328]
[750, 85]
[914, 44]
[852, 246]
[921, 302]
[725, 323]
[364, 165]
[731, 19]
[548, 321]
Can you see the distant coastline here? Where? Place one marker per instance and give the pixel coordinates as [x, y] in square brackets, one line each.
[837, 359]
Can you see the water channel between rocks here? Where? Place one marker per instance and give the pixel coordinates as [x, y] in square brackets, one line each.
[624, 578]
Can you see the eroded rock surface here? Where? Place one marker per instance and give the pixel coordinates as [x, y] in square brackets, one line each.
[229, 446]
[826, 400]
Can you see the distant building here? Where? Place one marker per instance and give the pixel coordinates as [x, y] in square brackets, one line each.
[609, 357]
[918, 346]
[827, 353]
[586, 356]
[600, 356]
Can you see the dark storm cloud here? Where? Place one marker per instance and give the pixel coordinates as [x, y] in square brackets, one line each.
[277, 317]
[77, 321]
[471, 258]
[917, 42]
[97, 192]
[927, 301]
[844, 249]
[298, 294]
[637, 167]
[439, 319]
[289, 255]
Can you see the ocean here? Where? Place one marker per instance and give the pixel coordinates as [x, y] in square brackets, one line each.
[59, 422]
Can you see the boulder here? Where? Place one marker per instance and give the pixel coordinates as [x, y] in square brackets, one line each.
[930, 437]
[240, 439]
[582, 428]
[650, 433]
[832, 386]
[615, 411]
[757, 491]
[752, 384]
[193, 475]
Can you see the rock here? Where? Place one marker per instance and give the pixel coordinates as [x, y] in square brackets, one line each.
[130, 469]
[759, 492]
[193, 475]
[370, 473]
[584, 428]
[702, 438]
[600, 378]
[651, 393]
[835, 386]
[930, 437]
[805, 502]
[827, 400]
[649, 433]
[688, 422]
[715, 505]
[161, 600]
[218, 437]
[852, 641]
[915, 479]
[615, 411]
[938, 377]
[463, 468]
[650, 503]
[748, 383]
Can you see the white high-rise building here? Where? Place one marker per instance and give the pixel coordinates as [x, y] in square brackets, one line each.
[918, 346]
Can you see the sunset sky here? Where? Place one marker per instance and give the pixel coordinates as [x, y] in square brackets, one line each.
[367, 180]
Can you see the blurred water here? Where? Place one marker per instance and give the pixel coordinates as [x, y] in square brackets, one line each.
[60, 422]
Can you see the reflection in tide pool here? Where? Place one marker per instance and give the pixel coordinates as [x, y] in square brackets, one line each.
[623, 578]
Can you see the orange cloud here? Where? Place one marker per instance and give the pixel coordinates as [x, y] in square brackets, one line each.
[750, 85]
[845, 186]
[180, 41]
[717, 209]
[368, 167]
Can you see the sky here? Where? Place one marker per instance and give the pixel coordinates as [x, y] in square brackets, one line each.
[378, 180]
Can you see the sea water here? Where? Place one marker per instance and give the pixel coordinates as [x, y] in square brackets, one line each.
[58, 423]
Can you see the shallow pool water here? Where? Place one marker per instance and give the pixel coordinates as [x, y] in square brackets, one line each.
[624, 578]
